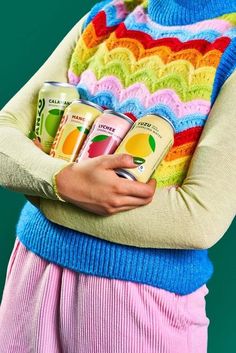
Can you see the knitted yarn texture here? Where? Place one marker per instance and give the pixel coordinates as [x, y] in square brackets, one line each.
[166, 57]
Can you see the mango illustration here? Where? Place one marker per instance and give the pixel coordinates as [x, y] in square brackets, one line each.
[72, 138]
[141, 145]
[52, 122]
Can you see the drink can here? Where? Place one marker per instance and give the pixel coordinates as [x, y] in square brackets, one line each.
[150, 139]
[106, 134]
[74, 128]
[53, 98]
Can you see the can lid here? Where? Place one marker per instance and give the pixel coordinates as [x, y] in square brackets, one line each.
[121, 115]
[61, 84]
[125, 174]
[91, 104]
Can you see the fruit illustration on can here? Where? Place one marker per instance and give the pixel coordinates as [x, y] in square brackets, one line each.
[74, 128]
[106, 134]
[141, 145]
[52, 121]
[149, 140]
[72, 138]
[98, 145]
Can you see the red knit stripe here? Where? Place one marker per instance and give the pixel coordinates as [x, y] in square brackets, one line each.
[189, 135]
[174, 44]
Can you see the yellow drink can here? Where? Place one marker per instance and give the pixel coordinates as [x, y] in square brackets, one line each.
[149, 140]
[75, 125]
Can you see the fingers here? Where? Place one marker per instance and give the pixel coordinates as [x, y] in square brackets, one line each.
[152, 183]
[115, 161]
[135, 188]
[125, 208]
[127, 201]
[124, 186]
[130, 206]
[109, 211]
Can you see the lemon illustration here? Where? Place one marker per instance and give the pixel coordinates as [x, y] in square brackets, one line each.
[141, 145]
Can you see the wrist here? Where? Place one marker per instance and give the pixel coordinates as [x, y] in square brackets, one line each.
[60, 182]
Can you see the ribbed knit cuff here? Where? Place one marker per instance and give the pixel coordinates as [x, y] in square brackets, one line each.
[54, 182]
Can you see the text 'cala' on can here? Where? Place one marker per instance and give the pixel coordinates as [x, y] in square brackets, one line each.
[53, 98]
[149, 140]
[74, 128]
[106, 134]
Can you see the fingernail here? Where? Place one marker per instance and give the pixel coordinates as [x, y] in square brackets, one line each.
[138, 160]
[31, 135]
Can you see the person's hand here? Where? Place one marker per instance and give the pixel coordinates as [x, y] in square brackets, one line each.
[94, 186]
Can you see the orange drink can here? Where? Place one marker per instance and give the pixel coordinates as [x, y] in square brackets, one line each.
[149, 140]
[74, 128]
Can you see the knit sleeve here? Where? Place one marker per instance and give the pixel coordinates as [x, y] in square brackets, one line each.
[194, 215]
[23, 166]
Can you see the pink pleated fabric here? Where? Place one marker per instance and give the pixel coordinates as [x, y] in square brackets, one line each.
[49, 309]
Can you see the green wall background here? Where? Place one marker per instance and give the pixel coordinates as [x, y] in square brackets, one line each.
[28, 34]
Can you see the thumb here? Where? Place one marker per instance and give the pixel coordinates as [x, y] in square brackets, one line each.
[122, 160]
[153, 183]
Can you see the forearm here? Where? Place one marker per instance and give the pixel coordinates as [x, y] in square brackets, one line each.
[24, 167]
[192, 216]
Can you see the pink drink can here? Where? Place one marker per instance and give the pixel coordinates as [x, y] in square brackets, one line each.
[106, 134]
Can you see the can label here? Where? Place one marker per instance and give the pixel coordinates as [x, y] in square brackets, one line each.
[105, 136]
[52, 102]
[149, 140]
[73, 130]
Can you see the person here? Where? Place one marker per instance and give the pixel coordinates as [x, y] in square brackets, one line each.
[105, 264]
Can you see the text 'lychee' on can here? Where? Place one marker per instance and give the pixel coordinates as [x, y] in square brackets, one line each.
[106, 134]
[149, 140]
[74, 128]
[53, 98]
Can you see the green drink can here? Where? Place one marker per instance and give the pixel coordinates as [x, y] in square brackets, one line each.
[53, 99]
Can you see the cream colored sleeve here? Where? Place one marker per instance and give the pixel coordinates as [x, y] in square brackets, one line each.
[23, 166]
[193, 216]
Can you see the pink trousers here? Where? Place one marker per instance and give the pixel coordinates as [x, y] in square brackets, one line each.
[49, 309]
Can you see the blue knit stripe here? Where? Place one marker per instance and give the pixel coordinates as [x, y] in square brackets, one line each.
[225, 69]
[178, 271]
[183, 12]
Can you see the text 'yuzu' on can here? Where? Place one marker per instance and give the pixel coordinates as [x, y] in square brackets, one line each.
[149, 140]
[106, 134]
[75, 125]
[53, 98]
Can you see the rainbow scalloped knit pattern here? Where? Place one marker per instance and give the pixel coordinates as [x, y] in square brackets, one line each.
[127, 62]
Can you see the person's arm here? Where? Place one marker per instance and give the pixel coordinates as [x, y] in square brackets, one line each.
[23, 166]
[193, 216]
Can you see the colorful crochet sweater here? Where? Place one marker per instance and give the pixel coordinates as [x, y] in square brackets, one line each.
[126, 61]
[164, 57]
